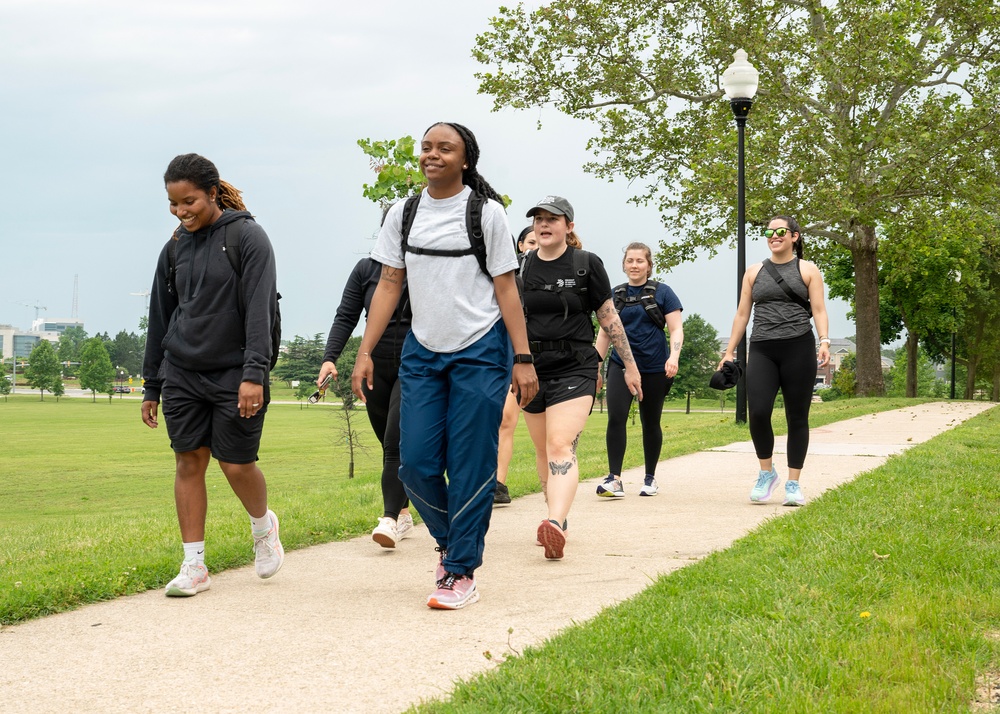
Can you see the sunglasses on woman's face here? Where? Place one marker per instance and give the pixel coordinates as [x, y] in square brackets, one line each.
[780, 232]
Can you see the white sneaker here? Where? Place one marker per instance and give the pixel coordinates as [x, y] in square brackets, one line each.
[267, 548]
[404, 526]
[649, 487]
[385, 533]
[192, 580]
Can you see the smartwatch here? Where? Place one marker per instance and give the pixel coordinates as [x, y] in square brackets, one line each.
[524, 359]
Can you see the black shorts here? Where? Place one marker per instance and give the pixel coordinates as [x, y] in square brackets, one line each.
[561, 389]
[202, 409]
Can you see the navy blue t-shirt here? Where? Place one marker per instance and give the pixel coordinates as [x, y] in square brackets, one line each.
[648, 342]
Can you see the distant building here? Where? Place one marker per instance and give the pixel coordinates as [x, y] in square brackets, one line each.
[14, 342]
[57, 326]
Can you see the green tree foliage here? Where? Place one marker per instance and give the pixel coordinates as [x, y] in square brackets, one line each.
[126, 351]
[862, 108]
[58, 388]
[96, 370]
[699, 358]
[70, 342]
[926, 381]
[5, 385]
[301, 360]
[43, 367]
[397, 169]
[843, 383]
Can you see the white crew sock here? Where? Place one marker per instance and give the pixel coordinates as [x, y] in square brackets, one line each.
[194, 553]
[260, 526]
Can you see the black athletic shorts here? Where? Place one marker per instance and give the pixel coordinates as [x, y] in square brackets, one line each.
[202, 409]
[561, 389]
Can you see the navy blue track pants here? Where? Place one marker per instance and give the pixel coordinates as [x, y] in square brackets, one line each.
[451, 408]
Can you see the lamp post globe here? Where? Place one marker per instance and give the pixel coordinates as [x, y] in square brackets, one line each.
[739, 82]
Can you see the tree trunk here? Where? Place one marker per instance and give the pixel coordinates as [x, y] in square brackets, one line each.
[868, 370]
[995, 396]
[912, 345]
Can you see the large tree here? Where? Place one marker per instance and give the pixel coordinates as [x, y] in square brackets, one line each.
[863, 106]
[43, 367]
[301, 360]
[699, 358]
[96, 371]
[70, 343]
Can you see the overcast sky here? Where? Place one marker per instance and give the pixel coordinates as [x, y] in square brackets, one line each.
[97, 97]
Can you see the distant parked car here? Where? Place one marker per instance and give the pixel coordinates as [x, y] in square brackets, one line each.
[121, 390]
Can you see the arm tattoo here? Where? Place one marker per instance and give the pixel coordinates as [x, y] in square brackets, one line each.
[560, 467]
[675, 346]
[390, 275]
[615, 330]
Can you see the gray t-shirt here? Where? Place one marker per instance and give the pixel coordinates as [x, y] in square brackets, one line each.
[453, 301]
[775, 316]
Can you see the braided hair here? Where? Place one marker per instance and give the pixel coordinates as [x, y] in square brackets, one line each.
[204, 176]
[471, 176]
[793, 226]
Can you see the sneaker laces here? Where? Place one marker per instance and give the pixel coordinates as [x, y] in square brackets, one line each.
[259, 541]
[448, 581]
[792, 486]
[762, 478]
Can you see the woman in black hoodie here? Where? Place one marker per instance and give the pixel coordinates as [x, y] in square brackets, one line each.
[208, 354]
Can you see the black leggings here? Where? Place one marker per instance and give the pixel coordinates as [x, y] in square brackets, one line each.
[655, 387]
[383, 413]
[791, 366]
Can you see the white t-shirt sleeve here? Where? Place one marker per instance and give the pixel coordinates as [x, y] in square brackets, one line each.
[389, 245]
[500, 255]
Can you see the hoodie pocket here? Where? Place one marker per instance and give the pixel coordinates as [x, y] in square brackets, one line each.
[207, 341]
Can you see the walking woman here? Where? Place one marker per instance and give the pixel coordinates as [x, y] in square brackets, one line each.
[511, 410]
[645, 307]
[784, 291]
[455, 368]
[396, 522]
[563, 286]
[208, 355]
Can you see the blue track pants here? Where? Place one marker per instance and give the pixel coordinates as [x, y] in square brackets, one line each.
[450, 413]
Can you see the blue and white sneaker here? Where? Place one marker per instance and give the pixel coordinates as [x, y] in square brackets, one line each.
[611, 488]
[649, 487]
[767, 481]
[793, 494]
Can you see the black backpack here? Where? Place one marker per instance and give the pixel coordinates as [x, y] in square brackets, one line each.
[473, 222]
[581, 271]
[231, 248]
[646, 298]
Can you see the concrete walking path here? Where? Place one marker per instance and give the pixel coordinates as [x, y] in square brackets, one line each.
[344, 628]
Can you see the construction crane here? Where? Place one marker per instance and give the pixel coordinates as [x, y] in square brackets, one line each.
[36, 307]
[143, 294]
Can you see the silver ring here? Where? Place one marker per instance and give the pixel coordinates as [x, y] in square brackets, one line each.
[255, 405]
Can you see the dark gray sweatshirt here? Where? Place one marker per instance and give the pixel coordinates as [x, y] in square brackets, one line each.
[198, 328]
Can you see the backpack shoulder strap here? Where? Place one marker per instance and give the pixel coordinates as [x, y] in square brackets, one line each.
[231, 246]
[409, 212]
[620, 293]
[474, 225]
[795, 297]
[172, 265]
[581, 268]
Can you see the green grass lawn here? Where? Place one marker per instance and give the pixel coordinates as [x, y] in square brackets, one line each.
[86, 494]
[882, 595]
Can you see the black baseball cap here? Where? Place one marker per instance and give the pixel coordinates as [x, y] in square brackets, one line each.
[553, 204]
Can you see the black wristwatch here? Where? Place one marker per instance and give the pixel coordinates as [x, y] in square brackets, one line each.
[524, 359]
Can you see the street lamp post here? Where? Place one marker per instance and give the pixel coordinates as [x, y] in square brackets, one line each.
[954, 329]
[740, 84]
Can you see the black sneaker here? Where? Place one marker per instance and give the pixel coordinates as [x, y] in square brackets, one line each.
[501, 495]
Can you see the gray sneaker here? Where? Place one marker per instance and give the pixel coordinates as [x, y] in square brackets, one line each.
[611, 488]
[269, 555]
[501, 495]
